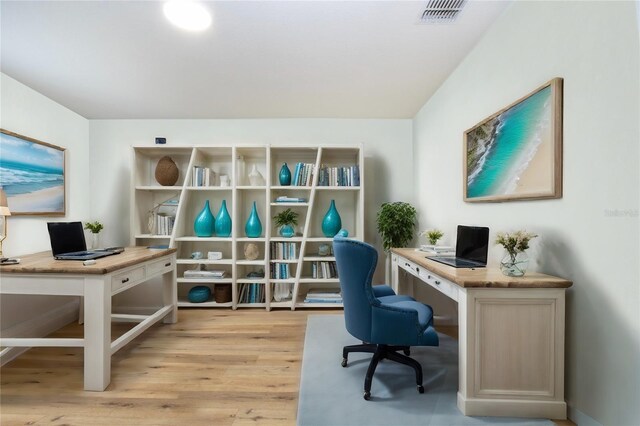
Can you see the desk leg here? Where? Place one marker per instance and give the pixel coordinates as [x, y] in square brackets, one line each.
[394, 272]
[170, 295]
[97, 333]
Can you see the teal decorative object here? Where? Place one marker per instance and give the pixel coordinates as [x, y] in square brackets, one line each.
[205, 222]
[343, 233]
[286, 231]
[285, 175]
[253, 228]
[199, 294]
[223, 221]
[331, 223]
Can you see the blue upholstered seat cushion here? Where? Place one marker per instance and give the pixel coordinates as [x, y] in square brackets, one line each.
[395, 298]
[425, 313]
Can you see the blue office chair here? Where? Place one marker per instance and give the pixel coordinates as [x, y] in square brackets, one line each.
[385, 322]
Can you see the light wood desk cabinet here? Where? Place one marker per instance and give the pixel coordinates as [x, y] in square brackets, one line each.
[511, 336]
[40, 274]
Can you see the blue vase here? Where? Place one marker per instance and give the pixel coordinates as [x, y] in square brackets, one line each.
[286, 231]
[253, 228]
[199, 294]
[285, 175]
[205, 222]
[223, 221]
[331, 223]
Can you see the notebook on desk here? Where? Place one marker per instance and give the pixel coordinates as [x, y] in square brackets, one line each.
[68, 243]
[472, 244]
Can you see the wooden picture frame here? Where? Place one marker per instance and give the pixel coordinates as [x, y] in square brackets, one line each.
[32, 174]
[516, 153]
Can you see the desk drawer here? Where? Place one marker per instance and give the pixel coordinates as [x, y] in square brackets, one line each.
[127, 279]
[160, 267]
[442, 285]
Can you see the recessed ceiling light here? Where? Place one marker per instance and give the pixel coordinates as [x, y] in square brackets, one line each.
[188, 15]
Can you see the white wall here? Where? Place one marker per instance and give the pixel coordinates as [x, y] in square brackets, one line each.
[591, 235]
[387, 148]
[25, 111]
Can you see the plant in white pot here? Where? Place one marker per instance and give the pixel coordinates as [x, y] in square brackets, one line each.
[94, 228]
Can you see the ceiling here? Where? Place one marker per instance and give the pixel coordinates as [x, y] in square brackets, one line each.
[260, 59]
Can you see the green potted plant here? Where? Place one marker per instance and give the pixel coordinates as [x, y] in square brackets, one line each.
[285, 221]
[94, 228]
[396, 225]
[515, 260]
[432, 235]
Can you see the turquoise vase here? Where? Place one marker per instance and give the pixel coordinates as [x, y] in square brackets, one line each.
[287, 231]
[223, 221]
[253, 228]
[331, 223]
[205, 222]
[285, 175]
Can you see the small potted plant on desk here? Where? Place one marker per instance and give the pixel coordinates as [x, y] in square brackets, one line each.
[432, 235]
[95, 228]
[396, 225]
[285, 221]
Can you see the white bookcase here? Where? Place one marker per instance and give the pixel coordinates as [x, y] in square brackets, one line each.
[183, 202]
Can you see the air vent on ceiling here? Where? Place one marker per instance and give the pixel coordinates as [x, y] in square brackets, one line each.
[442, 11]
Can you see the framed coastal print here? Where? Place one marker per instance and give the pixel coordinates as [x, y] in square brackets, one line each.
[32, 175]
[516, 154]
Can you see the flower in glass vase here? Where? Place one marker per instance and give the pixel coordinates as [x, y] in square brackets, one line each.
[515, 260]
[432, 235]
[285, 221]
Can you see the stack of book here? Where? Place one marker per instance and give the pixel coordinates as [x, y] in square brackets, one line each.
[323, 296]
[198, 274]
[202, 176]
[251, 293]
[286, 199]
[431, 249]
[283, 251]
[303, 174]
[164, 224]
[339, 176]
[323, 269]
[280, 271]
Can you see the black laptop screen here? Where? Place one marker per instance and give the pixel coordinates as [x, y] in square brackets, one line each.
[472, 243]
[66, 237]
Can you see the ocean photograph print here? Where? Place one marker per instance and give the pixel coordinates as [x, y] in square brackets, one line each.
[516, 154]
[32, 175]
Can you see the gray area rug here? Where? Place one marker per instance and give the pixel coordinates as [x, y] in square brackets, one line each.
[332, 395]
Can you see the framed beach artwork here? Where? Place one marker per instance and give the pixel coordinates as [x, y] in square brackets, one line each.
[516, 154]
[32, 175]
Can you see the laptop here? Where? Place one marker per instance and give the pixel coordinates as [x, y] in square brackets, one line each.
[68, 243]
[472, 245]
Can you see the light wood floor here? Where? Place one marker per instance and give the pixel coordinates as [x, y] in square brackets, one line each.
[214, 367]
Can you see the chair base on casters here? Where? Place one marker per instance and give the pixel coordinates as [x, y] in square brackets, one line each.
[381, 352]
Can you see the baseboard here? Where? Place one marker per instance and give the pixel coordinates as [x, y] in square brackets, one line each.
[39, 326]
[512, 408]
[581, 419]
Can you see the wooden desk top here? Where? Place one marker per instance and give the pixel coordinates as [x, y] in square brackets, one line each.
[44, 263]
[481, 277]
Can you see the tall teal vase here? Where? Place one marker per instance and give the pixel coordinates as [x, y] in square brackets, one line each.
[223, 221]
[285, 175]
[253, 228]
[331, 223]
[205, 222]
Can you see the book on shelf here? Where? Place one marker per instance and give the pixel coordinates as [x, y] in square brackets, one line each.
[324, 269]
[283, 251]
[432, 249]
[202, 176]
[251, 293]
[339, 176]
[303, 174]
[164, 224]
[280, 271]
[323, 296]
[204, 274]
[286, 199]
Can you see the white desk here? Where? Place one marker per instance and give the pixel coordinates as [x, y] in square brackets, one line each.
[511, 336]
[40, 274]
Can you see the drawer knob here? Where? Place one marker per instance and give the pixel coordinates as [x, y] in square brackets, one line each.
[167, 264]
[428, 277]
[417, 269]
[437, 282]
[126, 280]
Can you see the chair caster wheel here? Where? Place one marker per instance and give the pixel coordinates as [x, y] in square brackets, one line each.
[344, 362]
[367, 396]
[420, 389]
[407, 352]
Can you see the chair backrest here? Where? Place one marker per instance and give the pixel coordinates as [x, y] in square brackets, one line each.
[356, 262]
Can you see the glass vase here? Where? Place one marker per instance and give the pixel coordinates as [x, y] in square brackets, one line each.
[514, 265]
[204, 224]
[331, 223]
[223, 221]
[95, 241]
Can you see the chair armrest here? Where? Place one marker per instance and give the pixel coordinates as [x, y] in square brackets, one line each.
[383, 290]
[394, 325]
